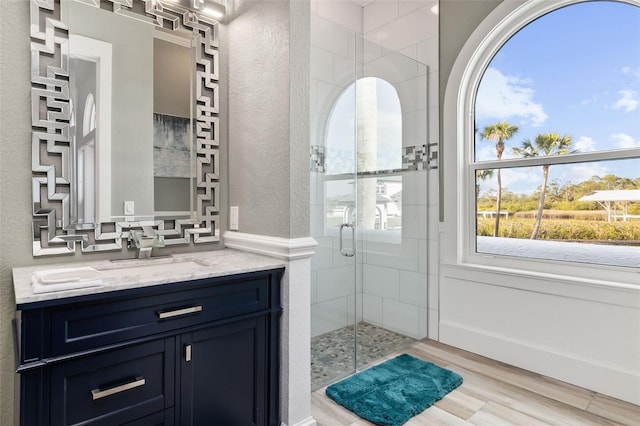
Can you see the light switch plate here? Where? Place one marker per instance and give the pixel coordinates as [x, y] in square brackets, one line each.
[129, 208]
[234, 212]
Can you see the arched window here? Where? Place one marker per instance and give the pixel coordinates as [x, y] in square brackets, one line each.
[550, 137]
[368, 110]
[89, 119]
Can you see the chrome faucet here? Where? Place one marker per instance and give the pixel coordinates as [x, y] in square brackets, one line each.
[145, 240]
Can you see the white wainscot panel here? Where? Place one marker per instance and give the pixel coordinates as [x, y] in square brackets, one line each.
[587, 336]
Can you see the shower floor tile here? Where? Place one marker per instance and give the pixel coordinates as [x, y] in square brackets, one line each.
[332, 353]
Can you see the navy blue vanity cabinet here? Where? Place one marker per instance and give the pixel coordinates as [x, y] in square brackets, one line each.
[202, 352]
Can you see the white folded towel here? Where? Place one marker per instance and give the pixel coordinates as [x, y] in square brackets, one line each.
[65, 279]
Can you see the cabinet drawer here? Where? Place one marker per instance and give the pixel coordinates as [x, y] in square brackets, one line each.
[91, 325]
[114, 387]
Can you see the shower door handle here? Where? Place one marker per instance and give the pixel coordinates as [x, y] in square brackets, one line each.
[343, 251]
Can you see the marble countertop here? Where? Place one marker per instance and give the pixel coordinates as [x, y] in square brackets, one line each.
[136, 273]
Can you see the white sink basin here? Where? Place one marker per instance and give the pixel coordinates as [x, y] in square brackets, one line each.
[66, 275]
[150, 267]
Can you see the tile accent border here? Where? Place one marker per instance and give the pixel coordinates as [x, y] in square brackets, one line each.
[317, 159]
[414, 158]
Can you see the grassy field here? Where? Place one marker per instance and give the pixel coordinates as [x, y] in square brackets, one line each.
[588, 230]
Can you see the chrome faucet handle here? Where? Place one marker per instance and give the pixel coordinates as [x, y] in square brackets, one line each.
[145, 240]
[148, 231]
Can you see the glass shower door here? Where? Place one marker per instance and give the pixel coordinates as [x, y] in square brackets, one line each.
[334, 279]
[368, 207]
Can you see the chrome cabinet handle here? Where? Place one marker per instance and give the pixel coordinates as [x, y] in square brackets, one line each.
[347, 252]
[99, 393]
[179, 312]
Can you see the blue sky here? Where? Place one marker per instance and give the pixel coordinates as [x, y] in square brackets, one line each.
[575, 71]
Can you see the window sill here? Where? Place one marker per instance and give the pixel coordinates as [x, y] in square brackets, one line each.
[624, 291]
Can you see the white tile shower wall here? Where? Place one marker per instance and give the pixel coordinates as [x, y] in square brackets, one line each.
[411, 27]
[333, 65]
[400, 292]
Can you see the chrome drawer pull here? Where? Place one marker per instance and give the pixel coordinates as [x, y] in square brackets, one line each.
[97, 393]
[178, 312]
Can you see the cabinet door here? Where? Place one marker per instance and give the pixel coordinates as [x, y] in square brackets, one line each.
[224, 375]
[114, 387]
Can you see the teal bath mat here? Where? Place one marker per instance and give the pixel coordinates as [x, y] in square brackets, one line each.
[391, 393]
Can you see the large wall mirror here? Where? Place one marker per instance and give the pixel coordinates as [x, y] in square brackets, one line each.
[125, 123]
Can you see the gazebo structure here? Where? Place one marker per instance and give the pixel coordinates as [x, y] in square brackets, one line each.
[615, 202]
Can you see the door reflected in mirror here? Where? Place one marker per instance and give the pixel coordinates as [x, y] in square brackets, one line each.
[131, 87]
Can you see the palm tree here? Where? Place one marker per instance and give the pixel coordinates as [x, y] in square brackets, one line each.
[498, 133]
[545, 144]
[482, 175]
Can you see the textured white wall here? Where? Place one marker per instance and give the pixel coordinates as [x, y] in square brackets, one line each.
[15, 178]
[268, 119]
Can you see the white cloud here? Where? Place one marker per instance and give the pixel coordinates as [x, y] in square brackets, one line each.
[628, 101]
[622, 140]
[521, 180]
[585, 144]
[582, 172]
[627, 70]
[486, 151]
[592, 99]
[512, 179]
[502, 97]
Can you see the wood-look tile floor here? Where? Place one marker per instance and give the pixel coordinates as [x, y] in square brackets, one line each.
[495, 394]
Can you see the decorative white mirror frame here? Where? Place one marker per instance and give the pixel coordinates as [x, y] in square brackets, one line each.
[53, 232]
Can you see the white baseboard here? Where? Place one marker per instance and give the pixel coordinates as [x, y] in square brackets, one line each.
[282, 248]
[306, 422]
[586, 373]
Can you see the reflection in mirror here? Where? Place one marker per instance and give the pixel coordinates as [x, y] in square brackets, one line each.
[172, 125]
[90, 83]
[125, 134]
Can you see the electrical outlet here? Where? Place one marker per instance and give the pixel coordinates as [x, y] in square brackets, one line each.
[234, 212]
